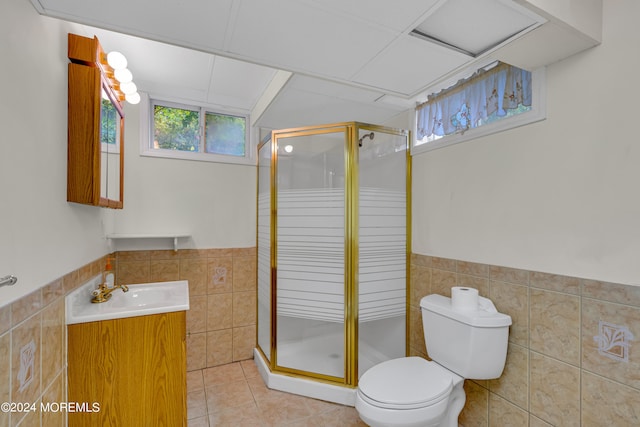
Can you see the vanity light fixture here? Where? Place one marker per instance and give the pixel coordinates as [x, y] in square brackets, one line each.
[118, 63]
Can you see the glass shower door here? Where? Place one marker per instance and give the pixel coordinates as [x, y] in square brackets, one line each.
[310, 252]
[382, 254]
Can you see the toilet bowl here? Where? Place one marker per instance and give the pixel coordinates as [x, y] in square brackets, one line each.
[407, 392]
[414, 392]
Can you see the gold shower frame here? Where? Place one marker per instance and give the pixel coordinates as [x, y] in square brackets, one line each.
[351, 159]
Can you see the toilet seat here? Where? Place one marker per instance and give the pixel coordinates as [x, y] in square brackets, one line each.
[405, 383]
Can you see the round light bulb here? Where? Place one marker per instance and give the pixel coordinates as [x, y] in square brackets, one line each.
[288, 148]
[116, 60]
[128, 88]
[132, 98]
[123, 75]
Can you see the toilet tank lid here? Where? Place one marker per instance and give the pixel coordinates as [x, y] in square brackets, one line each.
[486, 316]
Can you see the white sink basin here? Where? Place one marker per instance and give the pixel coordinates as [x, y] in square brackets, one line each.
[140, 300]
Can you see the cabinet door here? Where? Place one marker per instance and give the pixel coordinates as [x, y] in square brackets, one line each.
[134, 368]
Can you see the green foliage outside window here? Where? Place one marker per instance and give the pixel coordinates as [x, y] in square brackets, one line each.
[176, 128]
[108, 125]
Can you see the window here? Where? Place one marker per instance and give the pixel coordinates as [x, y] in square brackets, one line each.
[196, 133]
[495, 98]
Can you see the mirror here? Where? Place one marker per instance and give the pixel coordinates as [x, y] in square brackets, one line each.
[95, 127]
[110, 137]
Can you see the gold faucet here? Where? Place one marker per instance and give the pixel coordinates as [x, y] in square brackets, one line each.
[103, 293]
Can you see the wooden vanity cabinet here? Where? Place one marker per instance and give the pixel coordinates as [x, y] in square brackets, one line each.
[134, 368]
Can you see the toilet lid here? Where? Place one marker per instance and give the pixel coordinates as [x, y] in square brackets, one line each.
[405, 383]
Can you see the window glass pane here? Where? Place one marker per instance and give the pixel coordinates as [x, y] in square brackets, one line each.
[225, 134]
[175, 128]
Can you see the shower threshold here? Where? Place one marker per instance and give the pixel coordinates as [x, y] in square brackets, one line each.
[302, 386]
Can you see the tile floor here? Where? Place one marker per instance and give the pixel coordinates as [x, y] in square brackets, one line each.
[235, 395]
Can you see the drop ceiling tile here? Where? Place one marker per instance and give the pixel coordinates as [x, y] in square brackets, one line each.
[409, 66]
[238, 84]
[294, 36]
[383, 12]
[192, 23]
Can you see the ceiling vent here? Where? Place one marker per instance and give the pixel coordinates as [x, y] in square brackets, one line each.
[474, 27]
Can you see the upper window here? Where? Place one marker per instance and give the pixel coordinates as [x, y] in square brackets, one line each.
[197, 133]
[495, 98]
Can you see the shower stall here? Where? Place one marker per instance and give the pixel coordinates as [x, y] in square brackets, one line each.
[333, 247]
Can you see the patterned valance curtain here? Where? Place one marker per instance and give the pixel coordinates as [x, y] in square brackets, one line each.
[466, 104]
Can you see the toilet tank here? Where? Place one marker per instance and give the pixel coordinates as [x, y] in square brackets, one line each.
[471, 343]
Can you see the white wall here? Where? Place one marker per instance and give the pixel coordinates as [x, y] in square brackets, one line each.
[213, 202]
[42, 237]
[560, 196]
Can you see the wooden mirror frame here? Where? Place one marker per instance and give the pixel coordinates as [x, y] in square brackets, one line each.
[89, 75]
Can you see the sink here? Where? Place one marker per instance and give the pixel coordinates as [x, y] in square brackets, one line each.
[141, 300]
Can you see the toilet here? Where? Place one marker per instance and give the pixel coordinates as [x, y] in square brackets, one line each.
[414, 392]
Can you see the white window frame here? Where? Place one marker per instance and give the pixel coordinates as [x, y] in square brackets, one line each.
[537, 113]
[146, 133]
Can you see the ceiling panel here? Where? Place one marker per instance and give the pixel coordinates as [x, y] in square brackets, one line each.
[379, 12]
[238, 84]
[295, 107]
[297, 37]
[193, 23]
[409, 66]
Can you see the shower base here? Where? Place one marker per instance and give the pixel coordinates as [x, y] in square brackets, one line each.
[302, 386]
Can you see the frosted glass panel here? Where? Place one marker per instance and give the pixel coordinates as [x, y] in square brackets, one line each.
[382, 275]
[310, 253]
[264, 249]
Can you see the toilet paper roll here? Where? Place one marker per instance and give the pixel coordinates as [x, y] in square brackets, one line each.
[464, 299]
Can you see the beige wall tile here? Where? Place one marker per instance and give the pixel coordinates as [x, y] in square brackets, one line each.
[473, 269]
[555, 325]
[421, 260]
[503, 413]
[416, 331]
[219, 311]
[54, 394]
[608, 403]
[52, 291]
[244, 341]
[53, 325]
[26, 306]
[5, 374]
[245, 252]
[244, 273]
[509, 275]
[476, 409]
[623, 294]
[420, 279]
[197, 314]
[513, 300]
[244, 308]
[555, 391]
[219, 347]
[442, 281]
[220, 271]
[131, 272]
[25, 360]
[161, 270]
[195, 271]
[620, 316]
[71, 281]
[443, 264]
[196, 351]
[537, 422]
[555, 282]
[5, 318]
[513, 384]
